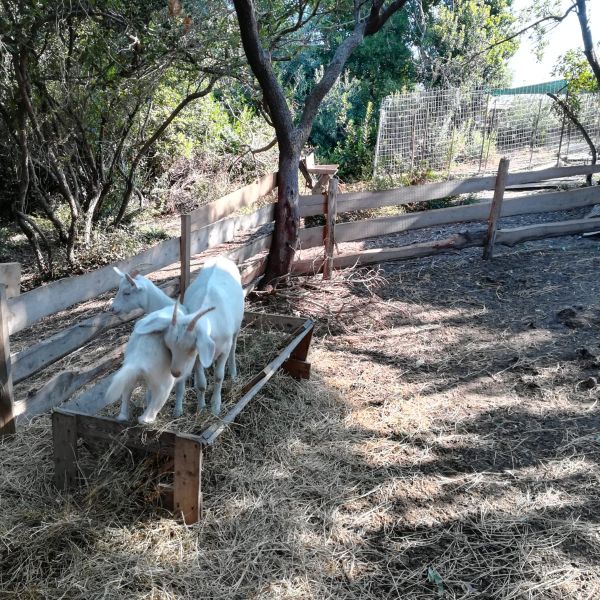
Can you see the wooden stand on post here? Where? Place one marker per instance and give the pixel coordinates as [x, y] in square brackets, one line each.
[185, 253]
[329, 230]
[496, 208]
[7, 420]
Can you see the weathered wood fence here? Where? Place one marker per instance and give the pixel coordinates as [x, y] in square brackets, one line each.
[202, 229]
[489, 211]
[213, 225]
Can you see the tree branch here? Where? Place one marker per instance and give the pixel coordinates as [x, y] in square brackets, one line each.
[573, 117]
[260, 63]
[374, 22]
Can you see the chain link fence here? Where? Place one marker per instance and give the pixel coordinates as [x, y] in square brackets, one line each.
[461, 132]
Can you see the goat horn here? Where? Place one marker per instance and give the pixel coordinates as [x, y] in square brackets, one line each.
[200, 313]
[130, 279]
[175, 309]
[135, 273]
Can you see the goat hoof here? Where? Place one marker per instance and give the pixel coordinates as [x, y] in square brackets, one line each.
[177, 413]
[122, 418]
[145, 420]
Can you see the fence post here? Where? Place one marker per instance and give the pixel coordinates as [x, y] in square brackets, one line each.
[185, 242]
[10, 275]
[329, 230]
[496, 208]
[7, 420]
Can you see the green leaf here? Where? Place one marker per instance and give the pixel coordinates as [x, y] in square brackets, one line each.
[434, 577]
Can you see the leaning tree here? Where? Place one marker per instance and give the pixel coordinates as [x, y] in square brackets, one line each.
[270, 31]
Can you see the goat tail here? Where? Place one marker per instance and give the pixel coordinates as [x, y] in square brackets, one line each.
[122, 384]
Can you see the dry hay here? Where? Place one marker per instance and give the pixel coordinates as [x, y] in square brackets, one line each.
[447, 447]
[257, 346]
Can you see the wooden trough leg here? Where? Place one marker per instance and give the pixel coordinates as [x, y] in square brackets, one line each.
[7, 419]
[64, 435]
[187, 491]
[296, 365]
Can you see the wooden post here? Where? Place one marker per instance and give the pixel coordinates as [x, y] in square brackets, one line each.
[7, 419]
[413, 140]
[562, 133]
[329, 230]
[296, 365]
[496, 208]
[10, 275]
[64, 436]
[187, 491]
[185, 242]
[485, 126]
[534, 132]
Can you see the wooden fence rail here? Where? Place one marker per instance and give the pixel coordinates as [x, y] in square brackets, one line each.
[313, 205]
[538, 203]
[26, 309]
[467, 239]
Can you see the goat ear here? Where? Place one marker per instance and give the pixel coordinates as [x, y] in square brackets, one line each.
[153, 323]
[119, 272]
[206, 349]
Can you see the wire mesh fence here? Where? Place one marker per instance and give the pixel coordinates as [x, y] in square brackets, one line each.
[465, 132]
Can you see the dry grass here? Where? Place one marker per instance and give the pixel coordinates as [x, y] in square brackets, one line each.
[447, 446]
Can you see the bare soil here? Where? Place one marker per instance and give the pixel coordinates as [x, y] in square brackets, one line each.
[447, 446]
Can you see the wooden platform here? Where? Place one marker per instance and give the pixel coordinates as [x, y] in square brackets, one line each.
[183, 453]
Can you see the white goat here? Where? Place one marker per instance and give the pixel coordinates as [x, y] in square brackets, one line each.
[145, 358]
[214, 338]
[135, 291]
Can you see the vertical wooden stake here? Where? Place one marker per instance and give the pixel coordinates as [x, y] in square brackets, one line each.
[496, 207]
[185, 242]
[7, 420]
[485, 126]
[187, 491]
[330, 217]
[413, 140]
[296, 364]
[64, 436]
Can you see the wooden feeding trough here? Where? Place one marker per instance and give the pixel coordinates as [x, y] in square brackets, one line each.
[182, 451]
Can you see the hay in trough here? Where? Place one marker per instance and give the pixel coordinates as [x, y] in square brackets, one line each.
[257, 346]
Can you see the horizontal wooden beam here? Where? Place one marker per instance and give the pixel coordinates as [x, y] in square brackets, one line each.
[537, 203]
[125, 434]
[66, 383]
[210, 435]
[251, 249]
[92, 400]
[313, 204]
[224, 206]
[29, 308]
[507, 237]
[225, 230]
[286, 322]
[35, 358]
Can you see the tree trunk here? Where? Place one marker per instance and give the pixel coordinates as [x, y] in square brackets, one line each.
[586, 35]
[89, 217]
[287, 220]
[578, 124]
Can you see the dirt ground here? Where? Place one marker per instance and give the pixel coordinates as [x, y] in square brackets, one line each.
[447, 446]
